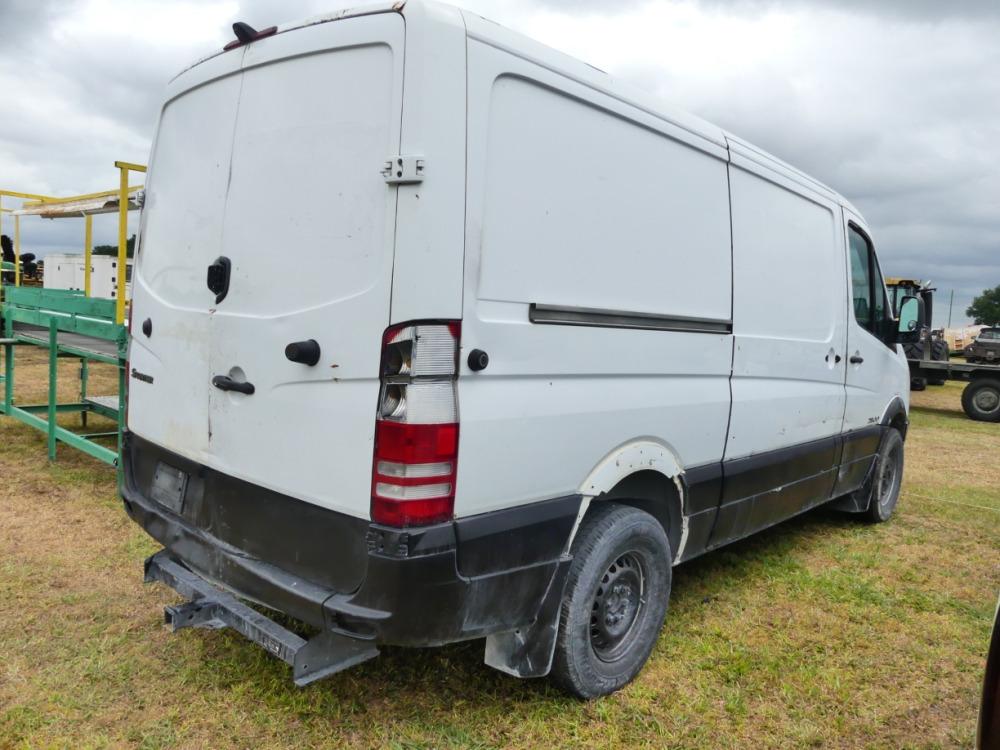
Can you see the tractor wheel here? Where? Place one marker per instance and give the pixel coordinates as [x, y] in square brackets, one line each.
[981, 400]
[939, 353]
[918, 384]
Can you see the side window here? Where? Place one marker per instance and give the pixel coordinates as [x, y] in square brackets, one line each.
[861, 282]
[871, 308]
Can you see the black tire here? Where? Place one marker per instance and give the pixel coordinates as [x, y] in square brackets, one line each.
[616, 598]
[918, 384]
[939, 353]
[981, 400]
[887, 478]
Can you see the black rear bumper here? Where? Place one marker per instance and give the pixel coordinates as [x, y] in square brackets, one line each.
[454, 581]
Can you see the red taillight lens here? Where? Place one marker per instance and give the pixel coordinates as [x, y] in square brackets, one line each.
[416, 429]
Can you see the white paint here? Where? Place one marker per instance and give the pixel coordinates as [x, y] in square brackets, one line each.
[640, 455]
[884, 374]
[789, 309]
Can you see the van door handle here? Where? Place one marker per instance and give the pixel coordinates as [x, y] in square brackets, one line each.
[857, 359]
[226, 383]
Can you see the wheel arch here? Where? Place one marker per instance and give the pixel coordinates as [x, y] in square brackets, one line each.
[644, 474]
[896, 416]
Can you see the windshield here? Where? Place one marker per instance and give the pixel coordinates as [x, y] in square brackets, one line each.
[990, 335]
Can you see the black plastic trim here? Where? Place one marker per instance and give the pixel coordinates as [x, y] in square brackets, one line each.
[585, 316]
[762, 472]
[704, 487]
[895, 409]
[514, 537]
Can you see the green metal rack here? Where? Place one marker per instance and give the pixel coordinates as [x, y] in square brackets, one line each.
[69, 325]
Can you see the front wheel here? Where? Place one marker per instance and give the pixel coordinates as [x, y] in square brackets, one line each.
[887, 478]
[615, 602]
[981, 400]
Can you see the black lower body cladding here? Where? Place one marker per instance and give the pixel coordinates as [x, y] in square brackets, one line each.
[418, 587]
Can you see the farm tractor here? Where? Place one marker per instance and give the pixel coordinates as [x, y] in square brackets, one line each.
[899, 288]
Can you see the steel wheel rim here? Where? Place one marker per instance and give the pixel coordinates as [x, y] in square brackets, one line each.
[888, 478]
[987, 400]
[617, 606]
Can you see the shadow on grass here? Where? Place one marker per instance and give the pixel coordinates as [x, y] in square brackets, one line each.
[940, 411]
[437, 678]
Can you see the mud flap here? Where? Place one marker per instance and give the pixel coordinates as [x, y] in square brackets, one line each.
[210, 607]
[528, 651]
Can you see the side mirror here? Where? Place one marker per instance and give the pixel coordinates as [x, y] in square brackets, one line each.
[911, 320]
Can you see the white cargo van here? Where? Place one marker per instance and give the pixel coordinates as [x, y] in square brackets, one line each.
[439, 334]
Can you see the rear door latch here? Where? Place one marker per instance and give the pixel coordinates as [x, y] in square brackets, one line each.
[218, 278]
[403, 170]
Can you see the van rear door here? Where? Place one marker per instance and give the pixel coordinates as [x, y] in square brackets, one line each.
[306, 223]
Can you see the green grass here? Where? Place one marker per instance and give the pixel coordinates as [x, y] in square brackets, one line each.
[822, 632]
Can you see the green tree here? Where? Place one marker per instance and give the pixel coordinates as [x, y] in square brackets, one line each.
[113, 249]
[985, 309]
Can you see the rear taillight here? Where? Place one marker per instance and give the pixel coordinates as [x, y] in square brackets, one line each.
[416, 427]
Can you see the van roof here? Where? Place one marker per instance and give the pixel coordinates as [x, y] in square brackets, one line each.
[367, 9]
[493, 34]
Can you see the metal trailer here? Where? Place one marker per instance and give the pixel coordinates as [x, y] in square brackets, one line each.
[981, 397]
[70, 324]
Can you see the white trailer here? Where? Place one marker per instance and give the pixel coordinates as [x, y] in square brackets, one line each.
[555, 338]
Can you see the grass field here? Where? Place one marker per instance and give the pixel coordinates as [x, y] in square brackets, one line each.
[822, 632]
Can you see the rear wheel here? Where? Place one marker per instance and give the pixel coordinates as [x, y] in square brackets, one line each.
[887, 478]
[615, 601]
[981, 400]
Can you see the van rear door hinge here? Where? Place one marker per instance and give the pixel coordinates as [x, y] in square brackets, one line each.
[403, 170]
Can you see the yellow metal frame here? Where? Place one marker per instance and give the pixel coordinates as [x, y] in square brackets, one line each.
[17, 225]
[88, 246]
[122, 192]
[124, 168]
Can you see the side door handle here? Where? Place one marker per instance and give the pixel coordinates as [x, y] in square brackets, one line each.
[857, 359]
[226, 383]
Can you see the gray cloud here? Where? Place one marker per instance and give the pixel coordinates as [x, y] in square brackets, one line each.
[912, 10]
[903, 9]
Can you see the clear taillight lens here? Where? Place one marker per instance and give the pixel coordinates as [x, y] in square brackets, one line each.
[416, 429]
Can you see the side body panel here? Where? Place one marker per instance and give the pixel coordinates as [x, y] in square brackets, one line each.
[788, 364]
[585, 205]
[430, 236]
[877, 375]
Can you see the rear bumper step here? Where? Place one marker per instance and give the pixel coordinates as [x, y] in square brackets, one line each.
[210, 607]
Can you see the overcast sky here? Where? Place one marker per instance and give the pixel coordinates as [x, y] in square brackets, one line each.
[894, 103]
